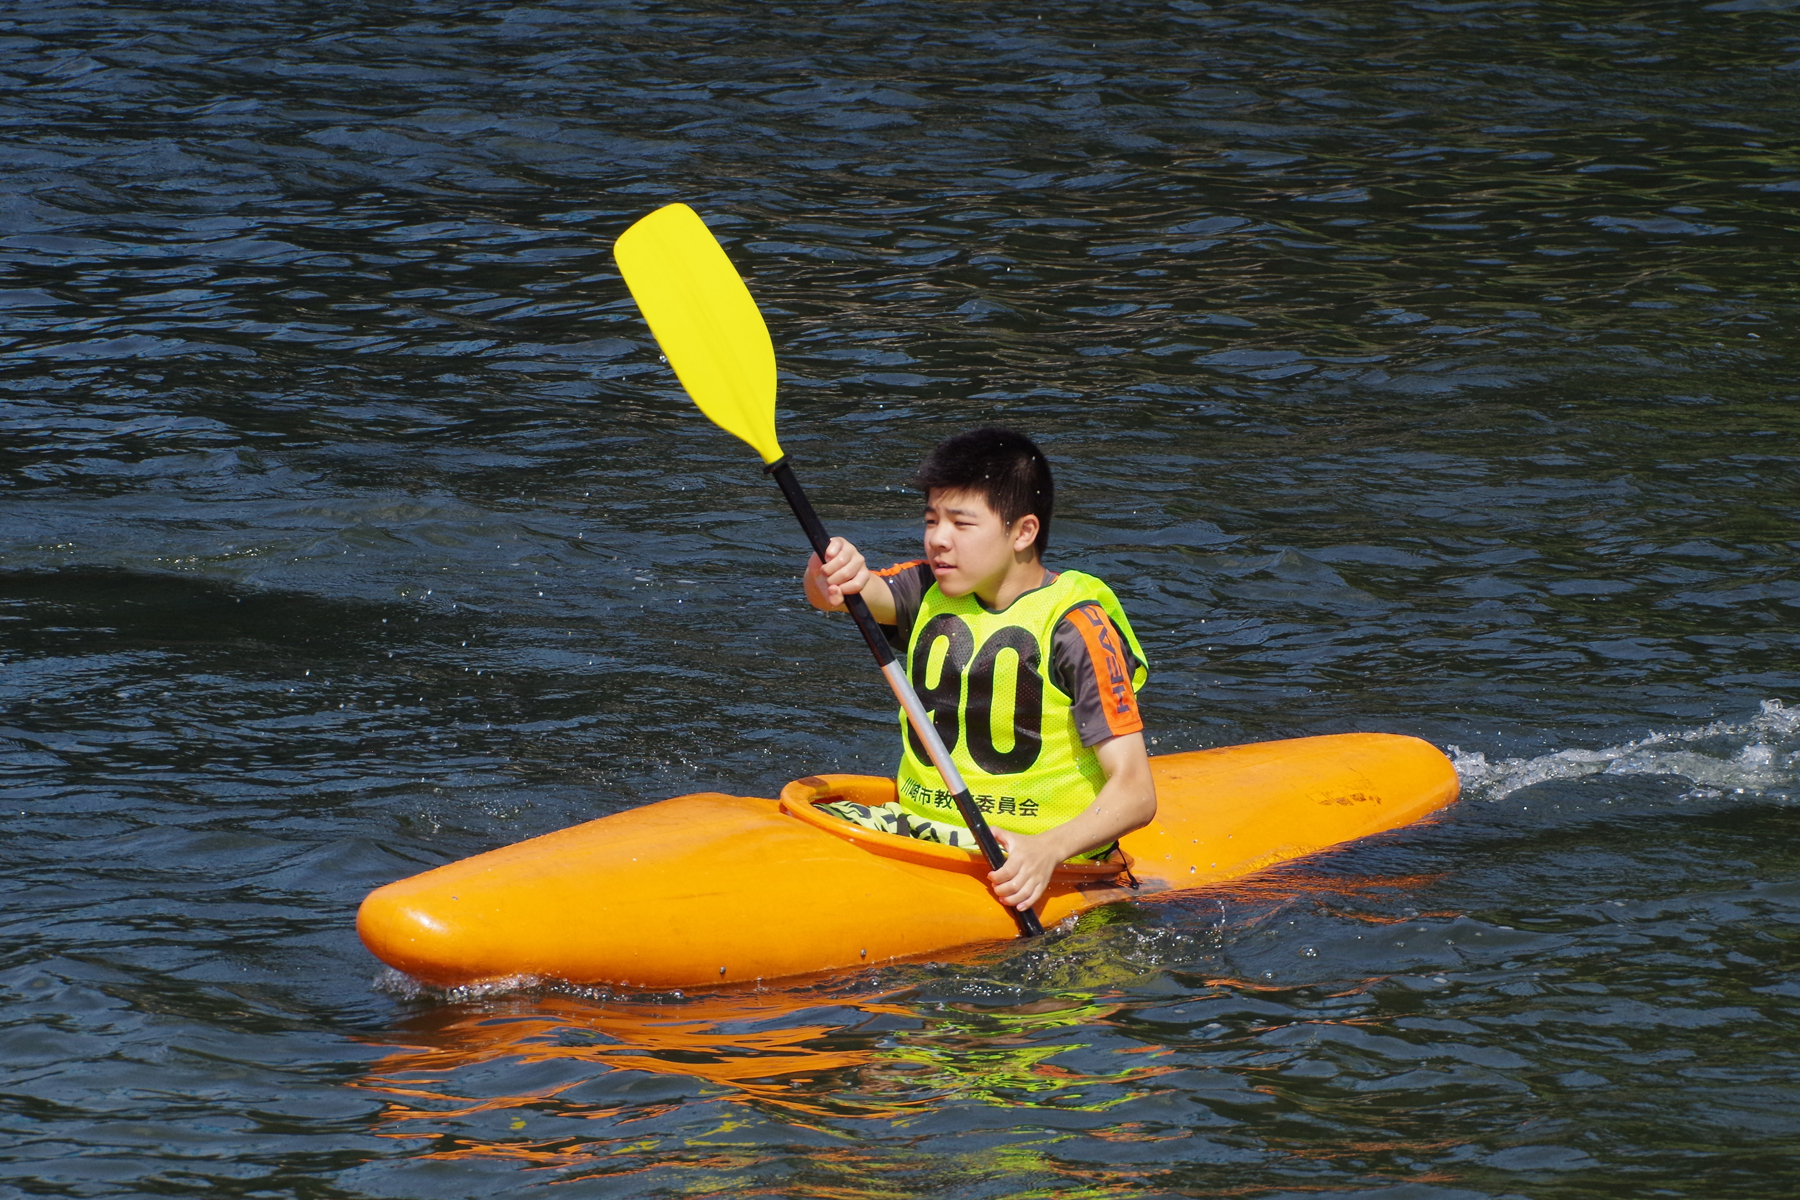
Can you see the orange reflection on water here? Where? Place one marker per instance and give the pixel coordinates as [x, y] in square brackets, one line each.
[1296, 881]
[811, 1060]
[742, 1042]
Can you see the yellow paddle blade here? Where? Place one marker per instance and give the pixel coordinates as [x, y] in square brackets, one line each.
[704, 320]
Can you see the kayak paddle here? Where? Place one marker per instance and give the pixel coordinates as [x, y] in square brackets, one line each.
[714, 337]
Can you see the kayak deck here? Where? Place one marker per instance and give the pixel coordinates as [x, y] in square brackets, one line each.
[712, 889]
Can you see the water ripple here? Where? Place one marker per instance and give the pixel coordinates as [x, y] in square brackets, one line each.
[1423, 367]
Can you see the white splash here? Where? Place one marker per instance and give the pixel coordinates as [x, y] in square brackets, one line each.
[398, 983]
[1759, 764]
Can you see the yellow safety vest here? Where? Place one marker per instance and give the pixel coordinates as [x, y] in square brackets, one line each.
[985, 677]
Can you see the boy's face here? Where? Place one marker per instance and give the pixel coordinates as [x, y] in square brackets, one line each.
[969, 548]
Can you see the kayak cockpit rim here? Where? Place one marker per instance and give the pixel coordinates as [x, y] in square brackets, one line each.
[801, 798]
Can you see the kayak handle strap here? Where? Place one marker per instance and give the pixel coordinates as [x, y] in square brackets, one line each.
[921, 721]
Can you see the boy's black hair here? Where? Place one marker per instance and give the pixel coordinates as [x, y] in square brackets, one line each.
[1003, 467]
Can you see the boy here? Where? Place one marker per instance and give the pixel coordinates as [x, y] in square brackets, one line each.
[1024, 670]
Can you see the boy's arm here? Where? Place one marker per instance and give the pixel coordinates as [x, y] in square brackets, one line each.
[844, 573]
[1126, 802]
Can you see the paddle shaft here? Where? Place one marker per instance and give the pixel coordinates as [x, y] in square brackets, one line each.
[921, 720]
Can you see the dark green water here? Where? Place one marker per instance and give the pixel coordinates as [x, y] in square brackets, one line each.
[1406, 366]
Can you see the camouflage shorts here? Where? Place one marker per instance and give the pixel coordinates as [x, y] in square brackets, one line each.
[891, 818]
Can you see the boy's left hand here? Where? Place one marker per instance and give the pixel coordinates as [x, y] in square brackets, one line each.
[1030, 860]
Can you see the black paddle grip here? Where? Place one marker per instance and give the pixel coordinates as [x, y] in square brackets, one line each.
[1028, 922]
[815, 533]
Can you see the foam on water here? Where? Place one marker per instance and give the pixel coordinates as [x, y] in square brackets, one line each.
[402, 986]
[1761, 759]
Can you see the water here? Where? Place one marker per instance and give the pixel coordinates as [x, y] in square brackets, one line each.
[1406, 366]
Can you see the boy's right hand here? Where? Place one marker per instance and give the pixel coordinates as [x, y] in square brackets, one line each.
[843, 573]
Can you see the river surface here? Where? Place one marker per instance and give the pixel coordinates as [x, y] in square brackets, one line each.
[1417, 367]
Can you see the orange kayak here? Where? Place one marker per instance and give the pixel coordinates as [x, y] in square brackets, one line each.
[713, 889]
